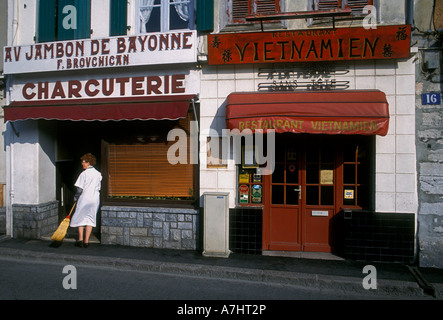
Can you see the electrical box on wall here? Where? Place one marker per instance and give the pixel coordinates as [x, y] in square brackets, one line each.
[431, 59]
[216, 225]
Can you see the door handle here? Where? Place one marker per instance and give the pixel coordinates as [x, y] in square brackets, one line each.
[299, 192]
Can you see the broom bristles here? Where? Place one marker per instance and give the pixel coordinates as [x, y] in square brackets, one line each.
[60, 233]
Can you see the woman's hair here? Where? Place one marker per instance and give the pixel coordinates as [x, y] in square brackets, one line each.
[89, 158]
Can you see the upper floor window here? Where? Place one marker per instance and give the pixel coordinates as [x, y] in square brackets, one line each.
[164, 15]
[355, 5]
[239, 9]
[59, 20]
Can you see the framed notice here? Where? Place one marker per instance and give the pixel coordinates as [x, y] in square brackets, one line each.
[327, 177]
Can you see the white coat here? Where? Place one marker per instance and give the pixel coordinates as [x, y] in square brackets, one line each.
[88, 203]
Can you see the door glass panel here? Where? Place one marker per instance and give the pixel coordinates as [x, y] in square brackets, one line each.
[312, 154]
[312, 173]
[292, 173]
[278, 194]
[292, 195]
[327, 195]
[312, 195]
[279, 174]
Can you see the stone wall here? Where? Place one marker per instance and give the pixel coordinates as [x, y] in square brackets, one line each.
[429, 143]
[35, 221]
[169, 228]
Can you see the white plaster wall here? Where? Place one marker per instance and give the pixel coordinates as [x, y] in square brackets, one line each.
[33, 169]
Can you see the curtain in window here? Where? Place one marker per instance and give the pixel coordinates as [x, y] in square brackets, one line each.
[146, 7]
[182, 8]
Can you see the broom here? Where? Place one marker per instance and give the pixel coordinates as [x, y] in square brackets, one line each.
[60, 233]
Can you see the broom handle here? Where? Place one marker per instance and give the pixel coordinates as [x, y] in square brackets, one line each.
[69, 216]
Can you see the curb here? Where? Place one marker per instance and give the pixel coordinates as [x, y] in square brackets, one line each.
[340, 284]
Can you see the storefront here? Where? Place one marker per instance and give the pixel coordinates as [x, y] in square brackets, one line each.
[335, 101]
[116, 98]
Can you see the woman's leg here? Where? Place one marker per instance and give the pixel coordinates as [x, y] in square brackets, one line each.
[88, 233]
[80, 233]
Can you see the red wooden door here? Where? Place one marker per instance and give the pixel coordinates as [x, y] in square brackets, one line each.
[300, 196]
[282, 219]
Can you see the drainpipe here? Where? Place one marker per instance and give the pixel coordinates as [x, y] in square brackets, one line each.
[9, 181]
[409, 12]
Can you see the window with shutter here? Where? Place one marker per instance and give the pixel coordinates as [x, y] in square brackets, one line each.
[239, 9]
[118, 18]
[138, 168]
[57, 20]
[355, 5]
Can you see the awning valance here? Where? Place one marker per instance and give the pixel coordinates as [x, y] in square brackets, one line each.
[132, 108]
[364, 112]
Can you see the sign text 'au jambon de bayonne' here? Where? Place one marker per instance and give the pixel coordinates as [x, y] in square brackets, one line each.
[385, 42]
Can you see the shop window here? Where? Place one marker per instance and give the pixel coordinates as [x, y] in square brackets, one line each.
[59, 20]
[356, 175]
[118, 18]
[239, 9]
[137, 168]
[250, 184]
[164, 15]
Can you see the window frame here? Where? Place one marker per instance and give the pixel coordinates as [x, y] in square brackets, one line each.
[252, 6]
[165, 6]
[130, 138]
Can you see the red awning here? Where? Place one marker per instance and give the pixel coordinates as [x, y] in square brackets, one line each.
[363, 112]
[138, 108]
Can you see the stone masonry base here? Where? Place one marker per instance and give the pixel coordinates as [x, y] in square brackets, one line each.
[34, 221]
[168, 228]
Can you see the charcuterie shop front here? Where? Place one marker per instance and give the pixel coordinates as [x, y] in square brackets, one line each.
[107, 97]
[330, 127]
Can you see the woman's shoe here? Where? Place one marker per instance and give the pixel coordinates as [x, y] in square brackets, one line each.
[85, 244]
[79, 243]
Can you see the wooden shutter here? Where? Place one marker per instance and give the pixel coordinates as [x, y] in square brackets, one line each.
[358, 5]
[46, 20]
[205, 15]
[83, 30]
[266, 6]
[143, 171]
[241, 8]
[355, 5]
[83, 19]
[63, 33]
[118, 17]
[328, 5]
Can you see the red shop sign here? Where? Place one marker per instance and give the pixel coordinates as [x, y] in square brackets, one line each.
[384, 42]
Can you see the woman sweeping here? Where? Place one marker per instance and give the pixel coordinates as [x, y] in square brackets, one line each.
[88, 200]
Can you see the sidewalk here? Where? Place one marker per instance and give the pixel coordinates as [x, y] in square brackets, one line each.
[393, 280]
